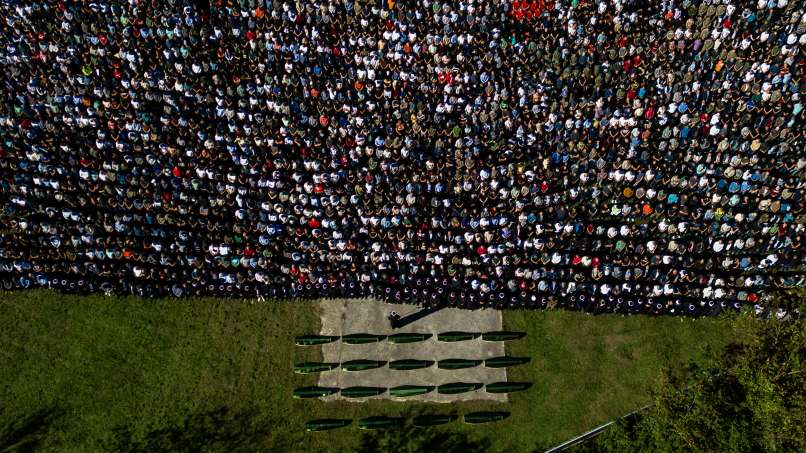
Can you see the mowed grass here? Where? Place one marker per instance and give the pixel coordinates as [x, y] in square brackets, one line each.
[588, 370]
[106, 363]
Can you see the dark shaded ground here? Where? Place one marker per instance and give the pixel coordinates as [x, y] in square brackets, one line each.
[219, 430]
[30, 433]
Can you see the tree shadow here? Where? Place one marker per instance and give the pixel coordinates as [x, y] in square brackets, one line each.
[30, 433]
[218, 430]
[410, 439]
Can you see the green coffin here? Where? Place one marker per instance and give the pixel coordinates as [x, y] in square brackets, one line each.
[458, 364]
[362, 338]
[311, 340]
[379, 422]
[485, 417]
[502, 335]
[314, 392]
[458, 387]
[314, 367]
[505, 361]
[506, 387]
[432, 420]
[457, 336]
[408, 337]
[410, 364]
[326, 424]
[404, 391]
[361, 365]
[362, 392]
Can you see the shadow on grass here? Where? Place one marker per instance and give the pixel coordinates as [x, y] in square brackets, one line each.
[218, 430]
[31, 433]
[411, 439]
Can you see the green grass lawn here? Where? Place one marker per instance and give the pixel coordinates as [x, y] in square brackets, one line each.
[102, 364]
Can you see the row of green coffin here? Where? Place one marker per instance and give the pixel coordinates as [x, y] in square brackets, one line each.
[409, 364]
[364, 338]
[392, 422]
[411, 390]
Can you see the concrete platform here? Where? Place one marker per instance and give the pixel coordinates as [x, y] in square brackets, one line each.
[341, 317]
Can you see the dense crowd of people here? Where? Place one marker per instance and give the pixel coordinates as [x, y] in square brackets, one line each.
[608, 156]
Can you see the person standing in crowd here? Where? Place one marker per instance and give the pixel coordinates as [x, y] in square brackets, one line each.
[606, 156]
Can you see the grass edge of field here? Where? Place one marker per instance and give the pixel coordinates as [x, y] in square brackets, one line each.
[574, 388]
